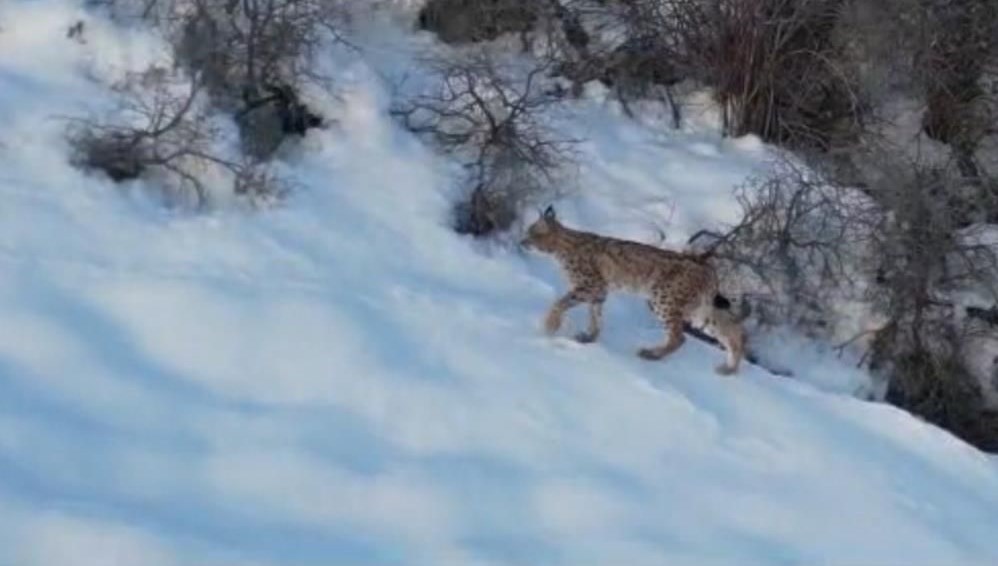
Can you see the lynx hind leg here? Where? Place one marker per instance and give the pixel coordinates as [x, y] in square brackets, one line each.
[670, 314]
[723, 326]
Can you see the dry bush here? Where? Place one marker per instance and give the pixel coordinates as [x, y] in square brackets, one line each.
[470, 21]
[943, 53]
[161, 129]
[956, 56]
[254, 56]
[473, 21]
[774, 64]
[240, 48]
[244, 46]
[633, 67]
[492, 117]
[776, 71]
[798, 247]
[638, 69]
[937, 386]
[901, 248]
[609, 42]
[930, 377]
[925, 260]
[777, 66]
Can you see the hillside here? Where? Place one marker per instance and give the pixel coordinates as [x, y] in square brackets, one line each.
[341, 379]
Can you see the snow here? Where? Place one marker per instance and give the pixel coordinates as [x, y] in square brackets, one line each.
[344, 380]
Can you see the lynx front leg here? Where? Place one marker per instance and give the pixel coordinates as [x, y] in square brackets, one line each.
[552, 322]
[673, 341]
[594, 294]
[595, 323]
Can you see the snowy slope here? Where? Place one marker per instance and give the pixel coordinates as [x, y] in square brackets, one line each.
[344, 381]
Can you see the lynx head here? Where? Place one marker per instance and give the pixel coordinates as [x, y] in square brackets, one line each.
[543, 233]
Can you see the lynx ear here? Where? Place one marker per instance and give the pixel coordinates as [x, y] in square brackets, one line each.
[549, 213]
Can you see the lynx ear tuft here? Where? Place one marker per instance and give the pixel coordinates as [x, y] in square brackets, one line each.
[549, 213]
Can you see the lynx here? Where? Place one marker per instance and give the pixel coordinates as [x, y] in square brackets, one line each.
[679, 286]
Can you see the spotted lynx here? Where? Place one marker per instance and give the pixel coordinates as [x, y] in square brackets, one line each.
[679, 286]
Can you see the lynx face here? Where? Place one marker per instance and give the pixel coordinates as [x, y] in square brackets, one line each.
[541, 235]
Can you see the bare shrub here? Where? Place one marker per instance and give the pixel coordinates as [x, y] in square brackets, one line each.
[936, 385]
[244, 46]
[926, 259]
[612, 43]
[161, 129]
[903, 249]
[774, 64]
[800, 243]
[469, 21]
[930, 377]
[640, 69]
[634, 64]
[942, 53]
[956, 55]
[254, 56]
[492, 117]
[923, 250]
[259, 185]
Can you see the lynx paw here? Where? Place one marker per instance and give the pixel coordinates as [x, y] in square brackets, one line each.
[551, 324]
[725, 369]
[651, 353]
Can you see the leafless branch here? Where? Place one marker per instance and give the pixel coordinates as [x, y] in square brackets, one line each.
[158, 128]
[495, 122]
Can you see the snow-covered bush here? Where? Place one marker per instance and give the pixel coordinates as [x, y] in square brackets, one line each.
[930, 275]
[254, 57]
[924, 282]
[800, 248]
[162, 130]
